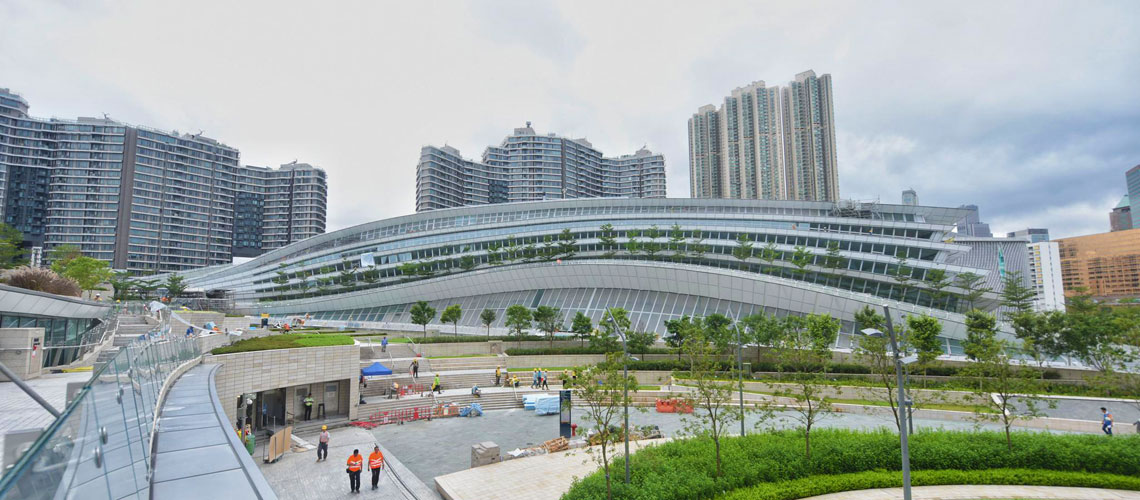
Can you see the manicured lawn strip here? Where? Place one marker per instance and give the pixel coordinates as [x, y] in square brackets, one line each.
[687, 468]
[822, 485]
[284, 342]
[464, 356]
[926, 406]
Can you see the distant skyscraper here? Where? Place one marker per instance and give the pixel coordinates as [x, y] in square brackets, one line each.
[1033, 235]
[764, 142]
[529, 167]
[910, 197]
[972, 225]
[1120, 218]
[1132, 179]
[144, 200]
[1045, 275]
[276, 207]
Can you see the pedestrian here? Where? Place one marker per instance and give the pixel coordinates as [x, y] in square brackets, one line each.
[376, 464]
[1106, 421]
[355, 464]
[436, 386]
[475, 391]
[189, 331]
[415, 369]
[384, 344]
[308, 406]
[363, 381]
[534, 379]
[545, 386]
[498, 374]
[323, 444]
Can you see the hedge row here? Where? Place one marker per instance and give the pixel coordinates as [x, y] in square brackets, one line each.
[687, 468]
[822, 485]
[459, 339]
[554, 351]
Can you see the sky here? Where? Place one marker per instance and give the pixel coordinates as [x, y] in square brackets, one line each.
[1030, 110]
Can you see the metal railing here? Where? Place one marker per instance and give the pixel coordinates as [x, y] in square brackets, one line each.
[101, 446]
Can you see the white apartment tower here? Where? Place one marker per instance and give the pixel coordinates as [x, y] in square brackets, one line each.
[773, 143]
[1045, 273]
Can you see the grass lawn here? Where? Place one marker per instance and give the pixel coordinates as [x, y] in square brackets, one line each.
[463, 356]
[929, 406]
[284, 342]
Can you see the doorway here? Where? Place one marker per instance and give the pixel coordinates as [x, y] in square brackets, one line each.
[332, 398]
[271, 408]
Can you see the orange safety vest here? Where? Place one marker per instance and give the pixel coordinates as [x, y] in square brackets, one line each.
[376, 460]
[355, 462]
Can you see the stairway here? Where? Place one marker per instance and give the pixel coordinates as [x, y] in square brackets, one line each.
[130, 327]
[477, 363]
[503, 400]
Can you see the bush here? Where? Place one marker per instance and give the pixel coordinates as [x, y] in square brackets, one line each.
[42, 280]
[284, 342]
[459, 339]
[550, 351]
[822, 485]
[686, 468]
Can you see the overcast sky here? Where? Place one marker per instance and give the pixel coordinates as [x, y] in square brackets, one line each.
[1029, 109]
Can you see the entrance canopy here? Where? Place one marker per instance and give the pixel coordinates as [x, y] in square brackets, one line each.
[376, 369]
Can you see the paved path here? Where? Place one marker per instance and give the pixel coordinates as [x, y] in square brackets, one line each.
[19, 412]
[976, 492]
[298, 476]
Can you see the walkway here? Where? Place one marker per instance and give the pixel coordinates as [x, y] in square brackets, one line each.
[197, 454]
[977, 492]
[18, 411]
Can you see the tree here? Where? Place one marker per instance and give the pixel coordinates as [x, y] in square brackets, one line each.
[607, 239]
[834, 260]
[422, 314]
[937, 281]
[677, 242]
[494, 257]
[452, 314]
[1007, 390]
[679, 331]
[903, 275]
[632, 245]
[567, 244]
[806, 343]
[743, 250]
[42, 280]
[1040, 335]
[347, 274]
[518, 320]
[763, 329]
[718, 330]
[371, 276]
[409, 269]
[651, 247]
[769, 254]
[549, 321]
[609, 339]
[1016, 295]
[603, 392]
[487, 317]
[875, 352]
[710, 397]
[697, 246]
[548, 248]
[581, 326]
[640, 342]
[11, 252]
[801, 259]
[972, 287]
[63, 254]
[467, 262]
[922, 337]
[282, 277]
[1099, 340]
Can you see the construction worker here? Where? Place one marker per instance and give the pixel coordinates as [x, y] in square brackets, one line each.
[436, 386]
[498, 374]
[308, 406]
[376, 464]
[355, 464]
[323, 444]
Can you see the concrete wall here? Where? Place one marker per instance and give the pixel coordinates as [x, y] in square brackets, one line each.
[16, 351]
[492, 347]
[551, 361]
[306, 368]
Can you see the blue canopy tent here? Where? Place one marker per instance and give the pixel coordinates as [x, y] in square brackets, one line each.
[376, 369]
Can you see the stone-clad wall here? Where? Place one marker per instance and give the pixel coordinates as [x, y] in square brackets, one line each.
[16, 351]
[307, 368]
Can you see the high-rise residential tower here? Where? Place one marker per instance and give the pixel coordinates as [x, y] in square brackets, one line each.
[142, 199]
[528, 167]
[278, 207]
[764, 142]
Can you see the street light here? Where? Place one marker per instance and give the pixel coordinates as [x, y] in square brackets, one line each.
[902, 413]
[625, 387]
[740, 371]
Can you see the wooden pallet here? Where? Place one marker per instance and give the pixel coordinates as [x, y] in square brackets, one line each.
[556, 444]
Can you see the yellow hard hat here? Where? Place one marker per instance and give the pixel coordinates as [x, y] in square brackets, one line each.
[324, 427]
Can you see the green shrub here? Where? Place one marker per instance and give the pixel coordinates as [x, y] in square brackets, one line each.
[550, 351]
[459, 339]
[822, 485]
[686, 468]
[291, 341]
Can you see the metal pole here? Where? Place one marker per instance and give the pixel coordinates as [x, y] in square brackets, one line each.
[28, 390]
[902, 406]
[740, 373]
[625, 387]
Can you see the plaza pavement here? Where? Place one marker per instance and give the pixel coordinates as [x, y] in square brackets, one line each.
[19, 412]
[298, 476]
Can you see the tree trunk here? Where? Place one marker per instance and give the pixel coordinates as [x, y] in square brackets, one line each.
[606, 466]
[807, 440]
[1008, 441]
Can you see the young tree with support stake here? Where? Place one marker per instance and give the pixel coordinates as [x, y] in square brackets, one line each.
[549, 321]
[807, 343]
[710, 398]
[487, 317]
[452, 314]
[604, 392]
[422, 314]
[518, 319]
[876, 353]
[581, 326]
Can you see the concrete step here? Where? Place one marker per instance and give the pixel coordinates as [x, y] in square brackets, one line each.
[489, 401]
[483, 362]
[380, 387]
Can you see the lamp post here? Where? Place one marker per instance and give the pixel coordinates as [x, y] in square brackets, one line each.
[625, 387]
[902, 413]
[740, 372]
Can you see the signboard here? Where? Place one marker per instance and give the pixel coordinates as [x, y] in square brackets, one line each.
[564, 415]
